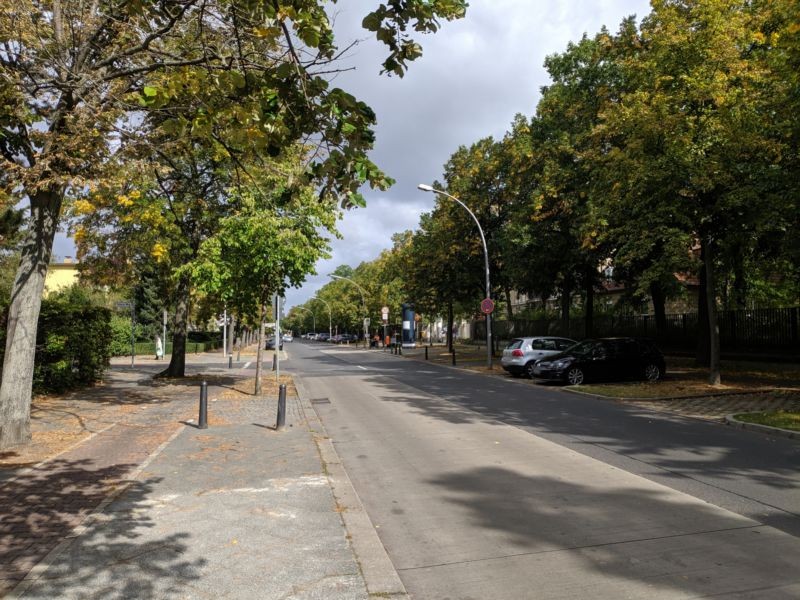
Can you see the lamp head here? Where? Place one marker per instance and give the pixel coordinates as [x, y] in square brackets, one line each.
[425, 187]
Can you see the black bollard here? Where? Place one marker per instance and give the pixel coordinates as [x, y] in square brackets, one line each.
[230, 362]
[454, 357]
[275, 361]
[281, 422]
[202, 421]
[400, 349]
[426, 353]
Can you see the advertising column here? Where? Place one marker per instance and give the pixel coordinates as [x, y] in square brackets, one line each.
[409, 335]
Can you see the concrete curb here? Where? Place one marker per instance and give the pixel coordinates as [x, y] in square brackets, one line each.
[734, 422]
[380, 576]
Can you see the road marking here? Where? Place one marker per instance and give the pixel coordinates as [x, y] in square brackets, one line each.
[360, 367]
[247, 364]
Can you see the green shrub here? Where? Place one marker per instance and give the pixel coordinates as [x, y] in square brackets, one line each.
[73, 342]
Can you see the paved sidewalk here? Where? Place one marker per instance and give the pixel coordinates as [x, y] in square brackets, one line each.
[152, 507]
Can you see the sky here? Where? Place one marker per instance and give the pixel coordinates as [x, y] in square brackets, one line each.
[474, 76]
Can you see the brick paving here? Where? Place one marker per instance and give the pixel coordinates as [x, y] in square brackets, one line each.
[716, 407]
[127, 419]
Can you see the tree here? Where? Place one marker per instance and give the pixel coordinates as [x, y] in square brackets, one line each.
[75, 79]
[264, 248]
[697, 133]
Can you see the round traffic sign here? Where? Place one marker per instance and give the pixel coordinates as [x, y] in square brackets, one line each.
[487, 306]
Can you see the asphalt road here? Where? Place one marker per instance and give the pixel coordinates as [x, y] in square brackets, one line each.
[481, 487]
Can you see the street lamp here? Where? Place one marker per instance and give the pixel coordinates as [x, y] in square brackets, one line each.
[428, 188]
[330, 318]
[363, 298]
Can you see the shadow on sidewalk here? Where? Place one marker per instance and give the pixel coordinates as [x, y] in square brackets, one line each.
[42, 508]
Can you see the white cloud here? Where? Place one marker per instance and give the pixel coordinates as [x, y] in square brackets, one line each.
[474, 76]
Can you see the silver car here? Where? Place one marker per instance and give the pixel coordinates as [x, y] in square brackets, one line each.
[521, 353]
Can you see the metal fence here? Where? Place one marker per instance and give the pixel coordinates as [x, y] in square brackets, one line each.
[758, 330]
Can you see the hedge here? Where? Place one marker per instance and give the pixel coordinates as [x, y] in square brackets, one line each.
[73, 341]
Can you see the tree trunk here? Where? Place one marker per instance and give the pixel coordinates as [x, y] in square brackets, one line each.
[566, 301]
[659, 311]
[231, 335]
[509, 308]
[702, 355]
[711, 302]
[450, 326]
[177, 361]
[739, 282]
[23, 319]
[259, 350]
[588, 308]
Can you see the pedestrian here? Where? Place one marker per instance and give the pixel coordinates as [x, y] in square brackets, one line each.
[159, 348]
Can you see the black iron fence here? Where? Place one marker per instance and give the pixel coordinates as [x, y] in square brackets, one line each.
[758, 330]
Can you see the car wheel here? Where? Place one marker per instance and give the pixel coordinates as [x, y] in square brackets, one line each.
[575, 376]
[529, 369]
[652, 372]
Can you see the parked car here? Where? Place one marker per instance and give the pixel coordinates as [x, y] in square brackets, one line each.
[521, 353]
[270, 345]
[288, 337]
[346, 338]
[323, 337]
[605, 359]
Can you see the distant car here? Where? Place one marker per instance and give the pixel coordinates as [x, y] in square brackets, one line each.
[287, 337]
[346, 338]
[522, 353]
[270, 345]
[323, 337]
[605, 359]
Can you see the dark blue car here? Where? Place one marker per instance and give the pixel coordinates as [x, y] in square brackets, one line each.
[604, 359]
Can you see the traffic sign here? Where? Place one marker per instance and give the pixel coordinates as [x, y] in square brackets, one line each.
[487, 306]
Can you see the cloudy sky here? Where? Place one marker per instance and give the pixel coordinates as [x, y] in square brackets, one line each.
[474, 76]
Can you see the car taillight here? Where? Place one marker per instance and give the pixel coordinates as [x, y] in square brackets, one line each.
[517, 353]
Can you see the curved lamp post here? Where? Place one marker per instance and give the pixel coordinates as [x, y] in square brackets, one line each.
[428, 188]
[330, 318]
[362, 291]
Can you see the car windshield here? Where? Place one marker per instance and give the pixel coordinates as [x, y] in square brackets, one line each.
[517, 343]
[585, 348]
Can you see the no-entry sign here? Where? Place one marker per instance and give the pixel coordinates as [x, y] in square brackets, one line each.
[487, 306]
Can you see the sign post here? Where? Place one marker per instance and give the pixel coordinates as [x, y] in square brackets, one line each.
[385, 319]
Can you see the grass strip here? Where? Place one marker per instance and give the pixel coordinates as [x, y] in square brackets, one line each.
[782, 419]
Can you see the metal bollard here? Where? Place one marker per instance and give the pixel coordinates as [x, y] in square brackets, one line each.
[400, 349]
[275, 361]
[454, 357]
[281, 422]
[230, 362]
[202, 421]
[426, 353]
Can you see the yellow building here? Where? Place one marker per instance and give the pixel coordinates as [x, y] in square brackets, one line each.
[60, 275]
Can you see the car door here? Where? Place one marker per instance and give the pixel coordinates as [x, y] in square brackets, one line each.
[599, 364]
[536, 350]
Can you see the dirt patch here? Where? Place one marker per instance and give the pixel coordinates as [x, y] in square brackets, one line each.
[243, 390]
